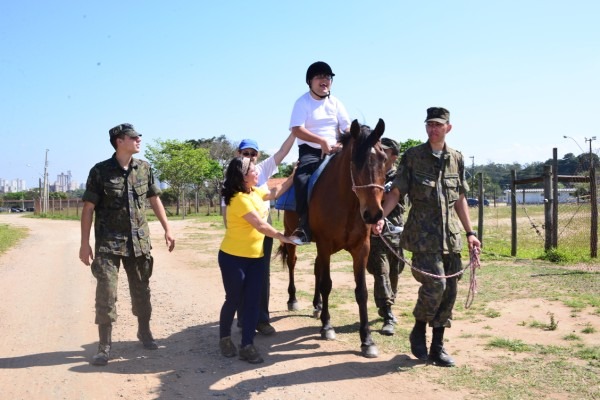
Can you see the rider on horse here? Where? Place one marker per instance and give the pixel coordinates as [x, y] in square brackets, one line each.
[317, 121]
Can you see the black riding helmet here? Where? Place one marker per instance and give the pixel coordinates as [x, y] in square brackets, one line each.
[318, 68]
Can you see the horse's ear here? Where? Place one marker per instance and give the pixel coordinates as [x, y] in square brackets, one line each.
[376, 133]
[379, 129]
[355, 129]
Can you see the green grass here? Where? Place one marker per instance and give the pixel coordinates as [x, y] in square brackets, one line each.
[522, 369]
[10, 236]
[573, 233]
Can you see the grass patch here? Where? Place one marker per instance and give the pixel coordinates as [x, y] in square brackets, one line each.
[10, 236]
[589, 329]
[516, 346]
[532, 378]
[551, 326]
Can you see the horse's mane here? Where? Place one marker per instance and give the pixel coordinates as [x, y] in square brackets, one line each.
[362, 149]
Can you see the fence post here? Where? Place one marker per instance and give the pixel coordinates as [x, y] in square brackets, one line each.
[556, 198]
[481, 205]
[594, 216]
[548, 201]
[513, 214]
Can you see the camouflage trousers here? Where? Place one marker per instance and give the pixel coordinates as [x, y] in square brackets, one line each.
[385, 267]
[105, 269]
[436, 296]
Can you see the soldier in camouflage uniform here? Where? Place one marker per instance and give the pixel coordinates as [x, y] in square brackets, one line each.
[383, 264]
[433, 177]
[117, 190]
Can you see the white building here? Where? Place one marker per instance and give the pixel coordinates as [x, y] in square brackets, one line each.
[12, 186]
[536, 196]
[64, 182]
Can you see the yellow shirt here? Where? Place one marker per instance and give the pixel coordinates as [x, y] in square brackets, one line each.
[242, 239]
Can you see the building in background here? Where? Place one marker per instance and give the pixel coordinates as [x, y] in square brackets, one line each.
[12, 186]
[64, 183]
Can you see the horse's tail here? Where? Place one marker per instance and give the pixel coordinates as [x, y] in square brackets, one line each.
[282, 252]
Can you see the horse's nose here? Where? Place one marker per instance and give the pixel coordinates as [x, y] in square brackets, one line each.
[372, 218]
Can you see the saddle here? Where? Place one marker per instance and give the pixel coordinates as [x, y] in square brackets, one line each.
[287, 201]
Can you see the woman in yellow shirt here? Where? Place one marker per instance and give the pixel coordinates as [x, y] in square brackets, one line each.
[241, 252]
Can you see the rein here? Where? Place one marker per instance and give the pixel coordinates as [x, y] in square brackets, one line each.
[474, 263]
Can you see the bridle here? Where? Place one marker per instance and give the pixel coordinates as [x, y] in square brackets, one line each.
[355, 187]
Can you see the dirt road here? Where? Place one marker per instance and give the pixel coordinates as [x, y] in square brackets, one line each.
[48, 334]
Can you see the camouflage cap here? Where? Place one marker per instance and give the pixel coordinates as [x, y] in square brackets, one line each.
[126, 129]
[438, 114]
[387, 143]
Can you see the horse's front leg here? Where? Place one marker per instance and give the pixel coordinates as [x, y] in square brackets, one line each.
[367, 347]
[323, 274]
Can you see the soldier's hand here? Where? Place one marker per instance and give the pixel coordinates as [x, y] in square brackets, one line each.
[169, 240]
[377, 228]
[473, 242]
[86, 255]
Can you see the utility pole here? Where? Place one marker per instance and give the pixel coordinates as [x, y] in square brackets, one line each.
[472, 175]
[45, 193]
[591, 159]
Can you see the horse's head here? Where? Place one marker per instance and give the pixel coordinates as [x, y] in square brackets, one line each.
[367, 169]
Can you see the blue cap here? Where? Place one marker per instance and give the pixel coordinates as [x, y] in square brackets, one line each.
[248, 144]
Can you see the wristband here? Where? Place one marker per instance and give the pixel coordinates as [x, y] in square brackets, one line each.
[471, 233]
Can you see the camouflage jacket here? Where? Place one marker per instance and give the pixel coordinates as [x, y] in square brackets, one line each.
[120, 224]
[395, 216]
[433, 185]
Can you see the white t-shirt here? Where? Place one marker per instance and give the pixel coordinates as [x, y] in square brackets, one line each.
[324, 118]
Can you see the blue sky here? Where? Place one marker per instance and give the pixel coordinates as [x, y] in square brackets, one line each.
[516, 75]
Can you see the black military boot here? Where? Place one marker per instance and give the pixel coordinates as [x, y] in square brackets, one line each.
[386, 312]
[437, 353]
[388, 320]
[418, 345]
[105, 333]
[144, 334]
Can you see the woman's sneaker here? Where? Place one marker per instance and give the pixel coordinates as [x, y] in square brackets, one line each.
[265, 328]
[227, 347]
[250, 354]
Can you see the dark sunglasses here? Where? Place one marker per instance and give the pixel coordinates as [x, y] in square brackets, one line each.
[249, 153]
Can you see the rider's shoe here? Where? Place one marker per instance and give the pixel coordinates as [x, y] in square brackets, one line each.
[390, 229]
[299, 237]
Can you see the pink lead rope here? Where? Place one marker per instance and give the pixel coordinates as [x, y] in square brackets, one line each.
[474, 263]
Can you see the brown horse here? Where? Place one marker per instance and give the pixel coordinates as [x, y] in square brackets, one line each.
[345, 200]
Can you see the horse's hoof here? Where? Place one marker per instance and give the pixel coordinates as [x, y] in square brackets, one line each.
[293, 306]
[328, 334]
[316, 313]
[370, 351]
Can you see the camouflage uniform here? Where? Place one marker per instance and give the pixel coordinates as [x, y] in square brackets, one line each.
[383, 264]
[121, 234]
[433, 184]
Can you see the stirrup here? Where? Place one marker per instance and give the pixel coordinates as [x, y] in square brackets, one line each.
[299, 237]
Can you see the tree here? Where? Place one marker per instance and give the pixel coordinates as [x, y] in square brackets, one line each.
[57, 195]
[408, 143]
[285, 170]
[222, 151]
[180, 165]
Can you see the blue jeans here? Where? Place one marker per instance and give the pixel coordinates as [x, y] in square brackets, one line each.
[242, 279]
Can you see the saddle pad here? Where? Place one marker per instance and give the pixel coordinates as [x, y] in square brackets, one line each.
[287, 201]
